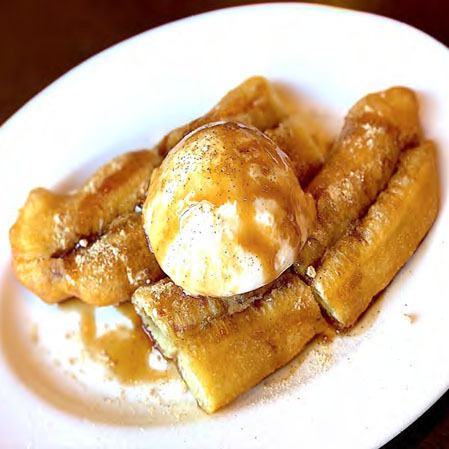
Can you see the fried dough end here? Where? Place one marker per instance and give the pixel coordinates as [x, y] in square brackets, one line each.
[362, 161]
[250, 344]
[254, 103]
[54, 229]
[365, 260]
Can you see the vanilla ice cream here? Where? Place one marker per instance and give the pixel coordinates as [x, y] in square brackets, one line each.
[225, 213]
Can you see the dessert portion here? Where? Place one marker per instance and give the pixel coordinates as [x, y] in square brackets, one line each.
[225, 213]
[366, 258]
[231, 265]
[228, 355]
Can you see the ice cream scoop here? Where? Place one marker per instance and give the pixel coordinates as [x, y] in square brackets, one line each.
[225, 213]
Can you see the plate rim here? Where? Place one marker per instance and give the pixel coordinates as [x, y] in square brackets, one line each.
[15, 117]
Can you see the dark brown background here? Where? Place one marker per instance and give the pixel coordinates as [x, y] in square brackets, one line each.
[42, 39]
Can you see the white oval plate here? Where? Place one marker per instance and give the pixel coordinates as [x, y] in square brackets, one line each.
[357, 392]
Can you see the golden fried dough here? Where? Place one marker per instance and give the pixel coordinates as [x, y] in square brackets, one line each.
[364, 157]
[253, 103]
[52, 227]
[104, 272]
[365, 260]
[225, 356]
[305, 153]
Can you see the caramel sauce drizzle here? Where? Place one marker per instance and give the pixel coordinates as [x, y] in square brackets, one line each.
[123, 350]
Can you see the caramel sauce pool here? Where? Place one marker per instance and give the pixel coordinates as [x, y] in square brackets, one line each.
[123, 350]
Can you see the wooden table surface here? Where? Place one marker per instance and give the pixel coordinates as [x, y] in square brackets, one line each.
[40, 40]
